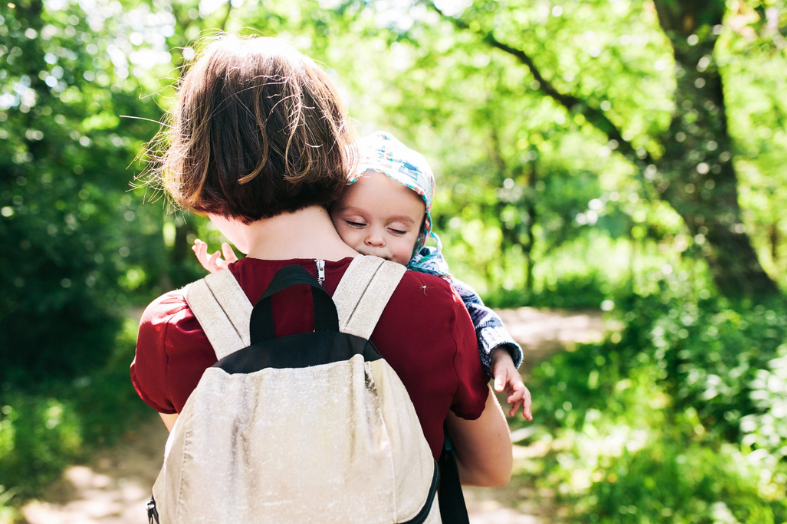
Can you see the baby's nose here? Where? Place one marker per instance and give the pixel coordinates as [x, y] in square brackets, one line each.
[375, 239]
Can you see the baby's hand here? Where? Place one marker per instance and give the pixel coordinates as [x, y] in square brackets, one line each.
[508, 378]
[213, 262]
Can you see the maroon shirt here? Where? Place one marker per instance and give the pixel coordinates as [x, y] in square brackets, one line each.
[424, 333]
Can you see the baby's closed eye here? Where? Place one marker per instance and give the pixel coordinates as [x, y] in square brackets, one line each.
[398, 228]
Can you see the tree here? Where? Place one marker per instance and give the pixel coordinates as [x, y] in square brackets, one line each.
[690, 163]
[75, 242]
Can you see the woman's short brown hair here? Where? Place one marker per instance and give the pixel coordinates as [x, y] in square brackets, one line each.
[258, 129]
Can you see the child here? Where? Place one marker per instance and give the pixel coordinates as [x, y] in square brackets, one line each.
[386, 213]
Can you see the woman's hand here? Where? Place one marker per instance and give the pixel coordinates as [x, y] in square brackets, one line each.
[214, 262]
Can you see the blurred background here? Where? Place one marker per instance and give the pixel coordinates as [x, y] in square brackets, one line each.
[625, 158]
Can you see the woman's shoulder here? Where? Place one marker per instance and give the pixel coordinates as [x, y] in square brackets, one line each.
[425, 301]
[172, 353]
[166, 308]
[427, 289]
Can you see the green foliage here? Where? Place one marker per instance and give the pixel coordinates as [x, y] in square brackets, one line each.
[670, 482]
[39, 436]
[101, 397]
[707, 352]
[43, 432]
[584, 291]
[681, 415]
[81, 244]
[720, 359]
[678, 417]
[766, 428]
[8, 513]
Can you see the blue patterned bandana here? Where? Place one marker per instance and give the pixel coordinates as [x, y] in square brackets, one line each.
[383, 153]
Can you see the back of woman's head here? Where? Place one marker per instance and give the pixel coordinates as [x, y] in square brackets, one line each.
[257, 130]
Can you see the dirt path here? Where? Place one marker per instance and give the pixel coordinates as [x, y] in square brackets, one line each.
[115, 485]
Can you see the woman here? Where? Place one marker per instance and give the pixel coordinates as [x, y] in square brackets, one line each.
[260, 143]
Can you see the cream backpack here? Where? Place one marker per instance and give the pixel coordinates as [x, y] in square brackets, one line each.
[310, 428]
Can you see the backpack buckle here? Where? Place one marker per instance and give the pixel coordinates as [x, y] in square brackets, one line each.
[152, 512]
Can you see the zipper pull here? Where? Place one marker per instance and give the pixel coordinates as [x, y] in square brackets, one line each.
[320, 271]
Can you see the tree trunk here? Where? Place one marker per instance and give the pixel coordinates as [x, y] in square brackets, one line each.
[696, 175]
[532, 217]
[774, 239]
[508, 236]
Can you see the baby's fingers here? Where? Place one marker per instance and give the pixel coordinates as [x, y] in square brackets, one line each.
[200, 249]
[516, 396]
[213, 262]
[229, 254]
[501, 380]
[514, 408]
[528, 404]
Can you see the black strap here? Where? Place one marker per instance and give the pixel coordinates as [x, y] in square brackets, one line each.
[325, 316]
[426, 509]
[452, 501]
[152, 512]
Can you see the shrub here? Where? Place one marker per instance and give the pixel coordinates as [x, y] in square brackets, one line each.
[671, 482]
[708, 351]
[39, 436]
[681, 417]
[42, 433]
[767, 428]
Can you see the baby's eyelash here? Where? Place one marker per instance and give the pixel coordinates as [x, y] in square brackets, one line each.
[354, 224]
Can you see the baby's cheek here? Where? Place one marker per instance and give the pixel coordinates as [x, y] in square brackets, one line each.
[399, 259]
[402, 253]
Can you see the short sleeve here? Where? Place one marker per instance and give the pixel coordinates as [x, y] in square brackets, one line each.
[472, 391]
[172, 354]
[149, 368]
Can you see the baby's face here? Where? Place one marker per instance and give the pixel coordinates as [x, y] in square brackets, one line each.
[379, 216]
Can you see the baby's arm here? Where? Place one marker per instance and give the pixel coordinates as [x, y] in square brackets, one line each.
[492, 334]
[500, 354]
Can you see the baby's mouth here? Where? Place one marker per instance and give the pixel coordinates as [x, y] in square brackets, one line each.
[375, 254]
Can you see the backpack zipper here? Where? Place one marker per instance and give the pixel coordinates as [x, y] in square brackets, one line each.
[320, 271]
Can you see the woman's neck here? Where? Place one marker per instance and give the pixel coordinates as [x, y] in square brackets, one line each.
[308, 233]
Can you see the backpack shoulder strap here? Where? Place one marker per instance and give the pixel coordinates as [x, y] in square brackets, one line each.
[364, 292]
[223, 311]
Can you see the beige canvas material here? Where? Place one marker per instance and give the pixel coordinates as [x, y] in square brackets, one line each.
[358, 296]
[223, 311]
[309, 464]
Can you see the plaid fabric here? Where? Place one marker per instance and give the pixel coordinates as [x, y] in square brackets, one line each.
[383, 153]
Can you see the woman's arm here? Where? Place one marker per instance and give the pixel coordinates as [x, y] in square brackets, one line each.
[483, 446]
[169, 420]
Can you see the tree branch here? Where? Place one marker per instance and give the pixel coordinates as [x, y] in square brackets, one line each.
[227, 16]
[593, 115]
